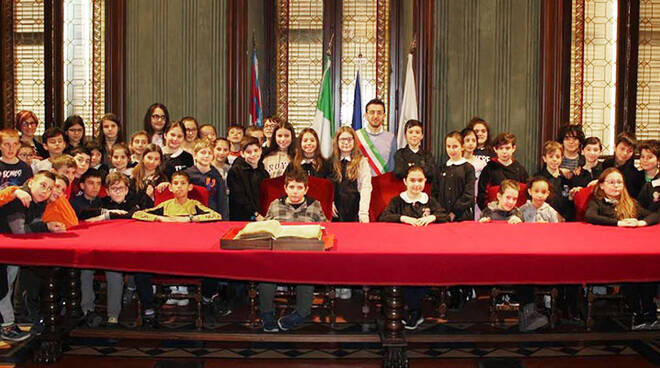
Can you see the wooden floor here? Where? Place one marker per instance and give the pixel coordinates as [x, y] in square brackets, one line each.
[579, 362]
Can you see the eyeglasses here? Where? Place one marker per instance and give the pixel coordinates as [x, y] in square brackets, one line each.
[190, 130]
[158, 117]
[346, 140]
[614, 182]
[117, 188]
[30, 123]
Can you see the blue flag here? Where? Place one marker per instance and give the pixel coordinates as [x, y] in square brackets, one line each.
[357, 105]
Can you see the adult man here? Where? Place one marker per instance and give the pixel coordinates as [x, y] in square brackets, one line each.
[377, 144]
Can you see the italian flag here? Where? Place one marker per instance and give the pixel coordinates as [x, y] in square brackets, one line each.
[324, 119]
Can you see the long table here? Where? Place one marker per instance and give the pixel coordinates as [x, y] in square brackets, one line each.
[364, 254]
[384, 254]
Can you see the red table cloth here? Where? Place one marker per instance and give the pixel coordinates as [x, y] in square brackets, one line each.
[371, 254]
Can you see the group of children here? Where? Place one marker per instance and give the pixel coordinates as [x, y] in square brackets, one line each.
[66, 179]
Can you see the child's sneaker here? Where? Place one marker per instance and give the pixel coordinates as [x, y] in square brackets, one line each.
[13, 333]
[92, 319]
[344, 293]
[291, 321]
[414, 319]
[268, 322]
[183, 302]
[129, 295]
[113, 321]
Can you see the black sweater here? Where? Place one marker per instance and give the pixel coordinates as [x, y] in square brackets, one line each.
[17, 219]
[558, 199]
[323, 172]
[633, 177]
[494, 173]
[173, 164]
[586, 176]
[243, 182]
[215, 185]
[129, 205]
[600, 212]
[399, 207]
[453, 188]
[405, 157]
[649, 196]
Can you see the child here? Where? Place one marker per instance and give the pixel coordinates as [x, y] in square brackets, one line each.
[26, 122]
[53, 139]
[205, 175]
[416, 208]
[58, 208]
[280, 151]
[504, 209]
[209, 132]
[67, 166]
[413, 154]
[74, 129]
[88, 204]
[308, 156]
[504, 166]
[560, 198]
[13, 172]
[180, 208]
[109, 135]
[649, 196]
[589, 173]
[119, 159]
[220, 153]
[484, 150]
[16, 218]
[469, 146]
[235, 134]
[624, 148]
[137, 143]
[117, 199]
[155, 120]
[192, 133]
[295, 206]
[612, 205]
[453, 186]
[536, 209]
[351, 176]
[270, 123]
[90, 208]
[96, 157]
[572, 138]
[175, 158]
[26, 154]
[254, 131]
[147, 175]
[243, 180]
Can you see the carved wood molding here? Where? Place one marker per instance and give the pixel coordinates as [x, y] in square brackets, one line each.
[282, 60]
[627, 65]
[7, 62]
[578, 62]
[382, 50]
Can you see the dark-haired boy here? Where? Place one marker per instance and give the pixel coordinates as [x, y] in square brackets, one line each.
[235, 134]
[244, 179]
[55, 144]
[295, 206]
[504, 166]
[624, 149]
[16, 218]
[413, 154]
[572, 139]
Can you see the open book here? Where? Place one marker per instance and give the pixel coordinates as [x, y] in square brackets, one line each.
[272, 229]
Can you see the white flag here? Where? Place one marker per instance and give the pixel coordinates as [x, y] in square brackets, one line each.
[408, 105]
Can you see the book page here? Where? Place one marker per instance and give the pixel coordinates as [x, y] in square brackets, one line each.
[300, 232]
[260, 230]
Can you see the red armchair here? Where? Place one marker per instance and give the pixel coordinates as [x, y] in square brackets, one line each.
[320, 189]
[493, 189]
[581, 199]
[384, 188]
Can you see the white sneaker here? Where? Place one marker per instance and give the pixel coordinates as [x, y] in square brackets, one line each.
[183, 290]
[171, 302]
[344, 293]
[183, 302]
[112, 320]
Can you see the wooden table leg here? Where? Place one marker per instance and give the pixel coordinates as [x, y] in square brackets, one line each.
[73, 310]
[392, 337]
[50, 349]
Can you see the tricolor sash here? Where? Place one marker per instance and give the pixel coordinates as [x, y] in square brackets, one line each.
[378, 165]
